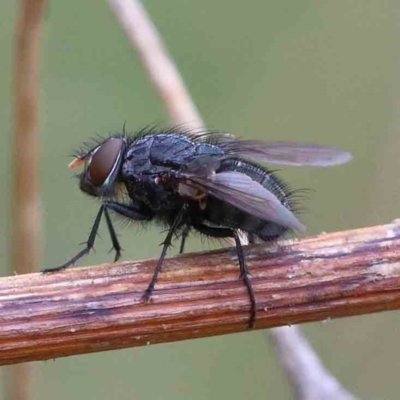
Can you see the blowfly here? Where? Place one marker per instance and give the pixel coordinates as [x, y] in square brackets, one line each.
[208, 183]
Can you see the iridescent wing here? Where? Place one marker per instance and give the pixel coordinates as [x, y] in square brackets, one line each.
[288, 153]
[246, 194]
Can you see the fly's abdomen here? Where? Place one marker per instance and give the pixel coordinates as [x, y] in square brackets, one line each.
[223, 214]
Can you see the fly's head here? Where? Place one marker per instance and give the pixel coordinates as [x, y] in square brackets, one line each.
[102, 165]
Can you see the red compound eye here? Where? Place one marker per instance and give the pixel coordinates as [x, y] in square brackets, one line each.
[103, 160]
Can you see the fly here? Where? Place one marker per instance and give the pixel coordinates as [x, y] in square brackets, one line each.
[209, 183]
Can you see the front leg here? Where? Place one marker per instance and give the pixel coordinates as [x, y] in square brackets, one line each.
[138, 213]
[135, 211]
[131, 211]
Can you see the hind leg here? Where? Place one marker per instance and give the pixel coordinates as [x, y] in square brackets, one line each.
[244, 271]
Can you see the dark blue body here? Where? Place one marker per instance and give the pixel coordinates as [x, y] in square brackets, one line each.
[151, 164]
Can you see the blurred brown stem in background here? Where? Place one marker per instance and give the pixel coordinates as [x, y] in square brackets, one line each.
[161, 70]
[24, 201]
[165, 78]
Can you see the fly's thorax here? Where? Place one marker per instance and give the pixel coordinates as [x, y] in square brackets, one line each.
[170, 150]
[137, 158]
[152, 163]
[156, 190]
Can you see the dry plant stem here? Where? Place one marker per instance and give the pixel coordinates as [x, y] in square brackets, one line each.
[92, 309]
[159, 66]
[25, 146]
[306, 373]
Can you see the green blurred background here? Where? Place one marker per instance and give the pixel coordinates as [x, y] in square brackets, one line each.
[307, 70]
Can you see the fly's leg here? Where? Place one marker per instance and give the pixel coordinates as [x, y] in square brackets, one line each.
[124, 210]
[244, 271]
[129, 211]
[137, 212]
[113, 235]
[167, 243]
[185, 234]
[244, 274]
[89, 245]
